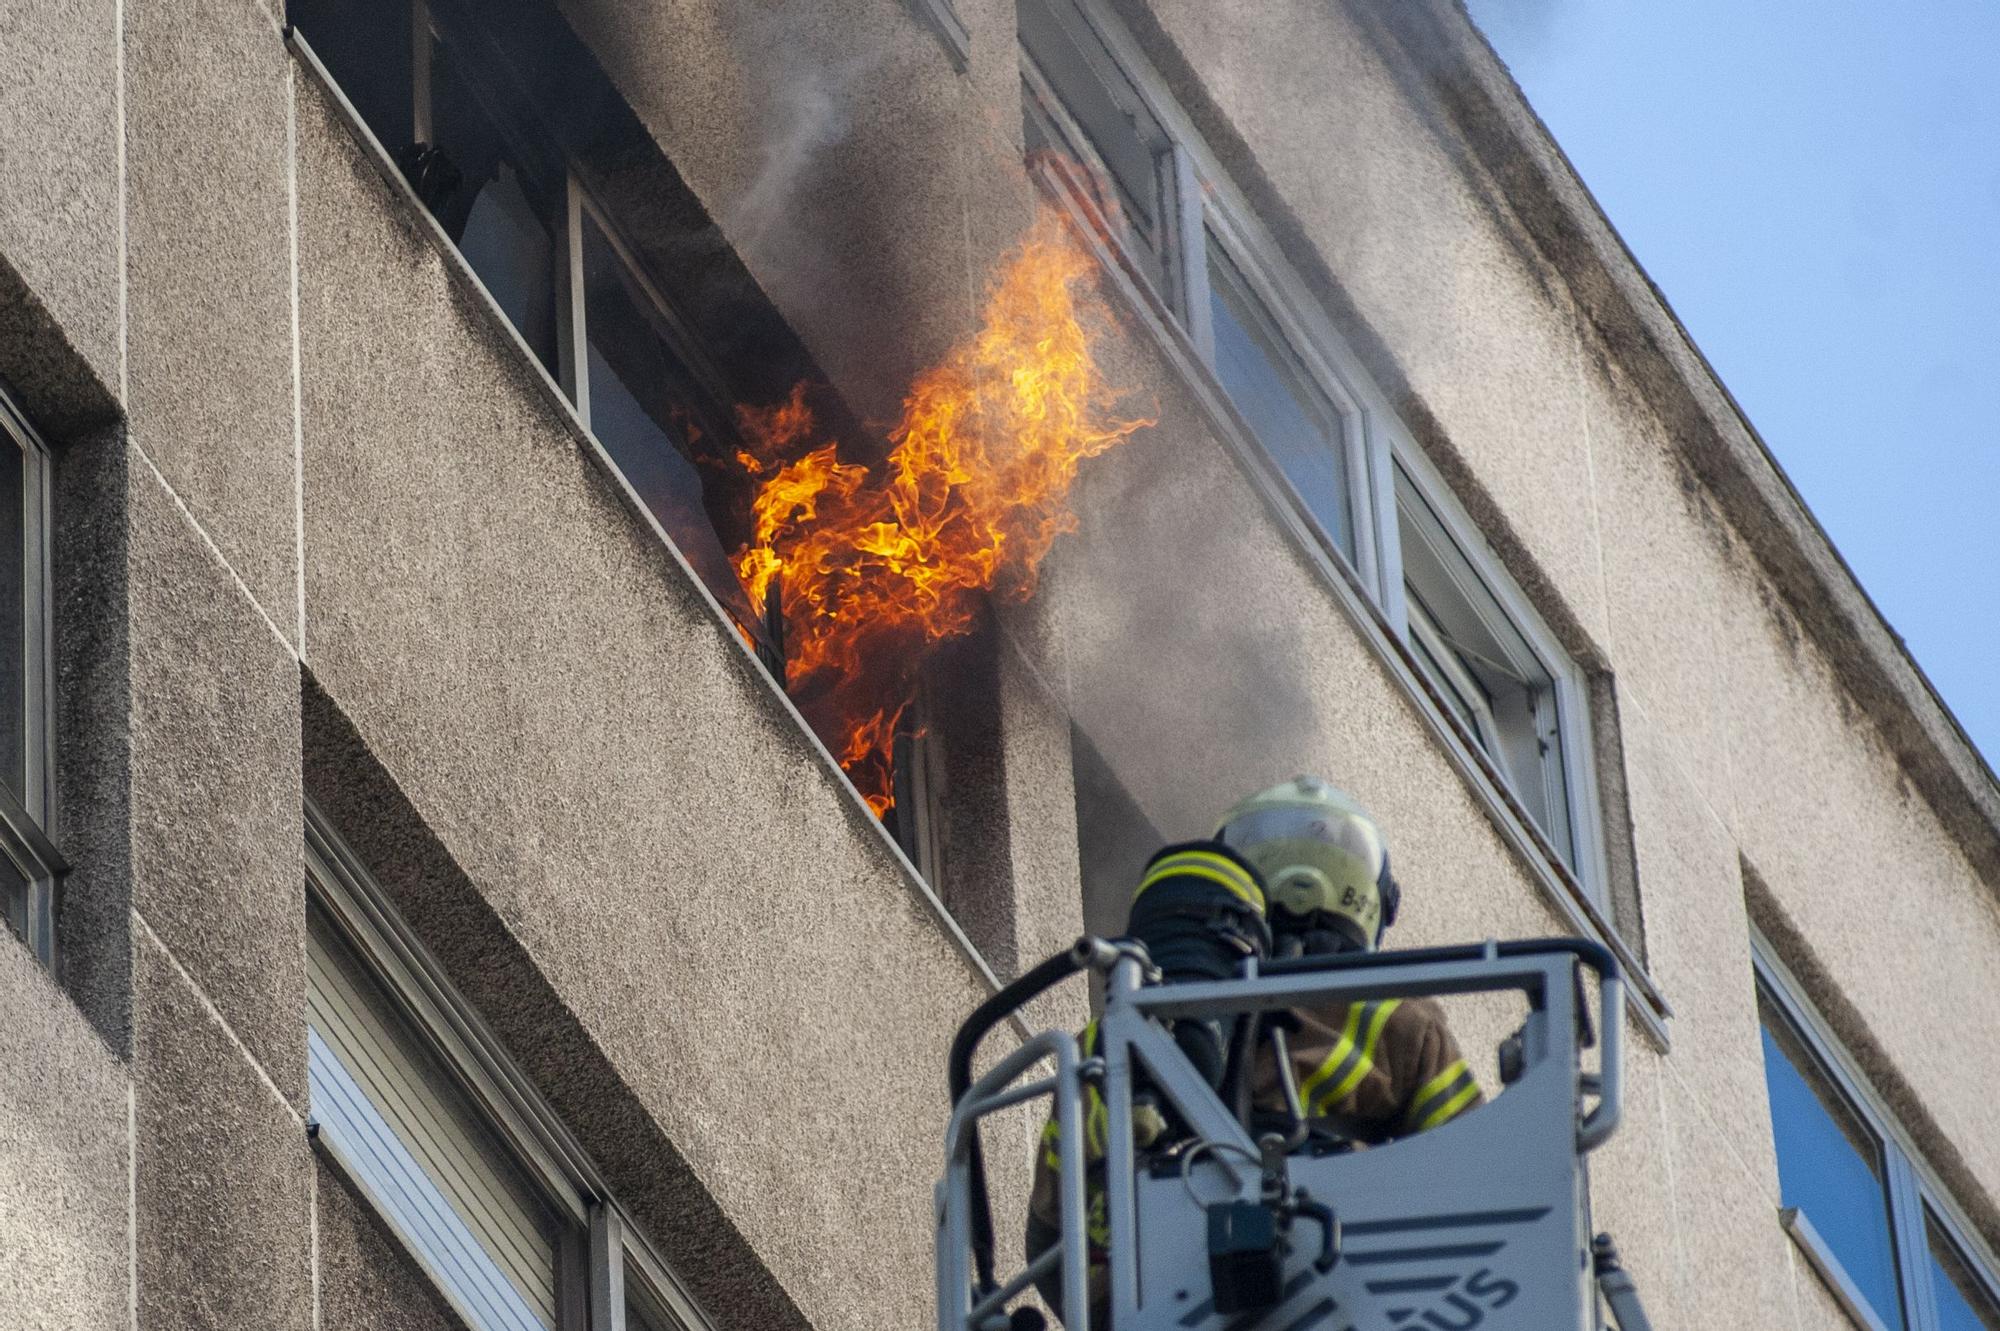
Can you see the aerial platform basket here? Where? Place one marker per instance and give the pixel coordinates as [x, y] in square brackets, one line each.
[1483, 1222]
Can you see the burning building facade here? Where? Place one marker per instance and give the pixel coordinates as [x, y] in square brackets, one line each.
[593, 574]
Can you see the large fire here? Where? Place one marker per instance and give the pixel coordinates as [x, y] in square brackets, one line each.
[875, 566]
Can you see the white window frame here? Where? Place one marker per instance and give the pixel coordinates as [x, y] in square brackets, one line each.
[27, 829]
[1206, 202]
[619, 1260]
[1912, 1191]
[1574, 788]
[1376, 447]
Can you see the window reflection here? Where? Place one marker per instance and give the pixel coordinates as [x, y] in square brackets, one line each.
[1829, 1167]
[1962, 1301]
[1294, 422]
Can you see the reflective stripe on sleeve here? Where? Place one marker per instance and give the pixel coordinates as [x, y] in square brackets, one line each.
[1205, 864]
[1352, 1059]
[1442, 1097]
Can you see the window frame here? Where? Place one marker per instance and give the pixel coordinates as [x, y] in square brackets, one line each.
[1206, 203]
[1579, 791]
[1912, 1192]
[27, 828]
[568, 384]
[1376, 448]
[615, 1256]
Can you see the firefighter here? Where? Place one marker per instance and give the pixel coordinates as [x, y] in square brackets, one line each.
[1314, 865]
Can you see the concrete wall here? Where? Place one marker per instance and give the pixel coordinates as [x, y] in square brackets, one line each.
[323, 471]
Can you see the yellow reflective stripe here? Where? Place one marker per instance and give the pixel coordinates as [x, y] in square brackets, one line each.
[1447, 1111]
[1096, 1121]
[1342, 1047]
[1366, 1062]
[1205, 864]
[1421, 1099]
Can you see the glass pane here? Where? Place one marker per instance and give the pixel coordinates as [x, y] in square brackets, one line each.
[404, 1130]
[641, 410]
[1499, 679]
[14, 899]
[1962, 1301]
[1829, 1168]
[1297, 426]
[498, 213]
[14, 619]
[636, 1320]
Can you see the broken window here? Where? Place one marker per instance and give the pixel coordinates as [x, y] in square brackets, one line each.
[645, 402]
[29, 864]
[620, 285]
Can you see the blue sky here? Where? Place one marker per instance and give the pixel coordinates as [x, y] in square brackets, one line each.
[1815, 185]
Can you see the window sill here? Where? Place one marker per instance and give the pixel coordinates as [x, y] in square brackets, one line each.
[1829, 1269]
[1579, 911]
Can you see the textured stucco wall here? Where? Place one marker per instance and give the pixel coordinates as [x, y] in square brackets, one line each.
[717, 956]
[603, 761]
[65, 1101]
[59, 157]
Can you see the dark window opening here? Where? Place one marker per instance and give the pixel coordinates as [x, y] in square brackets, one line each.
[604, 261]
[29, 864]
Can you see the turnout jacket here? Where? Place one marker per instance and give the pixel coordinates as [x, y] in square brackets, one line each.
[1372, 1071]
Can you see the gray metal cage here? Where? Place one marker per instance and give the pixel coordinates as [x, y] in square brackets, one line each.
[1482, 1222]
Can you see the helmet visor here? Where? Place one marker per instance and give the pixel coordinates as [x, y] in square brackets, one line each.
[1342, 831]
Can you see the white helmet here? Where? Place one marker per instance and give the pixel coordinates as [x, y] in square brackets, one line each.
[1321, 856]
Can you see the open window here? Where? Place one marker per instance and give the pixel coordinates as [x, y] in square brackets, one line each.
[29, 864]
[605, 264]
[1498, 672]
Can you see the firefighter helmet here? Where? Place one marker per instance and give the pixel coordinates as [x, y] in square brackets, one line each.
[1321, 856]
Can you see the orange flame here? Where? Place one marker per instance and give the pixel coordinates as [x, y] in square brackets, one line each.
[877, 565]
